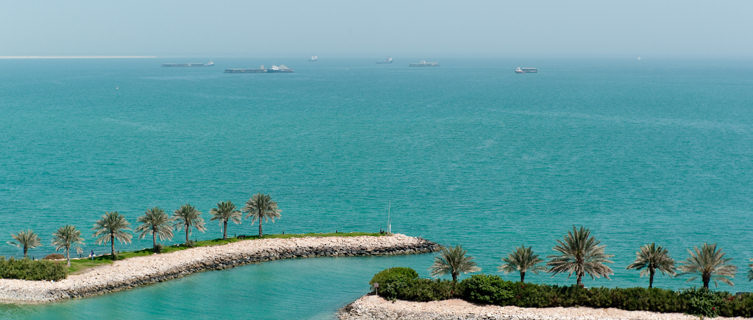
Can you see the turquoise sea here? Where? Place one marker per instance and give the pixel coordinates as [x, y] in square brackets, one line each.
[468, 153]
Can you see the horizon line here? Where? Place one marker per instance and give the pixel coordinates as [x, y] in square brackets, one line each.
[76, 57]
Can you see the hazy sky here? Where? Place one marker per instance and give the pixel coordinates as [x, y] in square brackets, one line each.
[242, 28]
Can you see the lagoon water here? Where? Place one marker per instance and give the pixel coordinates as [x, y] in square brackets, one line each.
[468, 153]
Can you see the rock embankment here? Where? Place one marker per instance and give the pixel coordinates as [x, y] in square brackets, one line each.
[371, 307]
[139, 271]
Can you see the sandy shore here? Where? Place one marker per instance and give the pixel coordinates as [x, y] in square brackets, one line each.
[138, 271]
[375, 308]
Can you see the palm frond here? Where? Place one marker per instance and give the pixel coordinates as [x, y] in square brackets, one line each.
[580, 254]
[710, 263]
[261, 206]
[66, 237]
[226, 211]
[653, 257]
[155, 221]
[189, 216]
[26, 239]
[112, 224]
[522, 260]
[453, 261]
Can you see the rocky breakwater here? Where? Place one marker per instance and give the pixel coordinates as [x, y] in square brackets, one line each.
[139, 271]
[371, 307]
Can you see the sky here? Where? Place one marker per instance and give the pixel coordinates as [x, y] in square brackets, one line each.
[247, 28]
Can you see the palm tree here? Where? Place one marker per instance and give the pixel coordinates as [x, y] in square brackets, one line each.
[65, 238]
[261, 207]
[580, 253]
[453, 261]
[226, 211]
[157, 223]
[188, 216]
[710, 263]
[650, 258]
[113, 226]
[25, 240]
[522, 259]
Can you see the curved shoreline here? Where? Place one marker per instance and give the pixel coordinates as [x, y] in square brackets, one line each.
[371, 307]
[140, 271]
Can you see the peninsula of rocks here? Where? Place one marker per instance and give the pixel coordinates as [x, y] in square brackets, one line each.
[139, 271]
[371, 307]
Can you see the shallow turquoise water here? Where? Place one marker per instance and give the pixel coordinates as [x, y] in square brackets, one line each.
[468, 153]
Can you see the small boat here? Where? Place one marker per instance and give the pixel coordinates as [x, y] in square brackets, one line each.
[424, 63]
[385, 61]
[526, 70]
[314, 59]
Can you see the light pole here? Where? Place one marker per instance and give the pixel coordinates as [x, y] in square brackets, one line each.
[389, 218]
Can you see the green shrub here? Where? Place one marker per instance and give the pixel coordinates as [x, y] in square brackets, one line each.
[391, 274]
[487, 289]
[26, 269]
[392, 281]
[740, 305]
[531, 295]
[425, 290]
[702, 302]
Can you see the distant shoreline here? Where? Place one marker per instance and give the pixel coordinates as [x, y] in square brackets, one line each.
[145, 270]
[73, 57]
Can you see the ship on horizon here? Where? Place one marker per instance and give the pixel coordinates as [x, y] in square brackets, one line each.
[189, 65]
[526, 70]
[314, 59]
[424, 63]
[385, 61]
[273, 69]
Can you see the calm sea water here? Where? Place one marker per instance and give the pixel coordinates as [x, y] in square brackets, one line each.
[469, 153]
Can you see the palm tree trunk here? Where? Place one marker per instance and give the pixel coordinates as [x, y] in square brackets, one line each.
[187, 234]
[224, 230]
[154, 241]
[522, 276]
[706, 278]
[68, 255]
[260, 233]
[454, 277]
[651, 273]
[580, 278]
[112, 245]
[26, 249]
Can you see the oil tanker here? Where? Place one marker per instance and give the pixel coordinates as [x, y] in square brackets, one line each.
[189, 65]
[424, 63]
[273, 69]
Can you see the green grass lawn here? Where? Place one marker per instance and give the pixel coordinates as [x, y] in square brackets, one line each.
[79, 265]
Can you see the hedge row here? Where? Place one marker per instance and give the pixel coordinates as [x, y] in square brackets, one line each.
[27, 269]
[491, 289]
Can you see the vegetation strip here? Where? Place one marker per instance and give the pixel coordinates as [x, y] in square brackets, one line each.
[151, 268]
[404, 284]
[372, 307]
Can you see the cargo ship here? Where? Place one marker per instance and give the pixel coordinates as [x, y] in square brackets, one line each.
[189, 65]
[526, 70]
[385, 61]
[314, 59]
[424, 63]
[273, 69]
